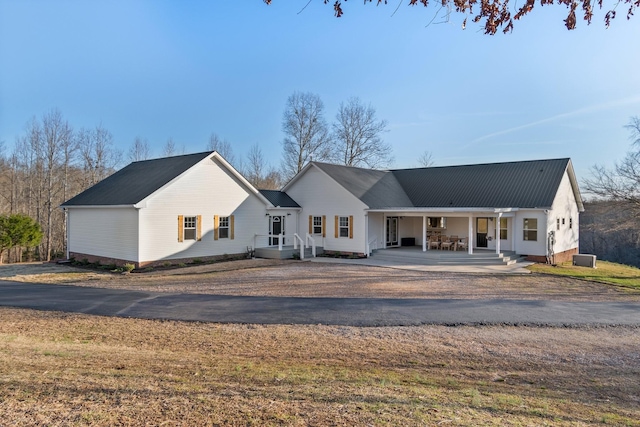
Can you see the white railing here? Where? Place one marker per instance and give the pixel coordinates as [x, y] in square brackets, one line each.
[313, 244]
[268, 237]
[297, 238]
[373, 241]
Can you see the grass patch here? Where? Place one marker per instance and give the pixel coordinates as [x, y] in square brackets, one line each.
[606, 272]
[73, 369]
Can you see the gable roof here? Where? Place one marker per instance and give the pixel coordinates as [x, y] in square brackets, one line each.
[376, 189]
[525, 184]
[137, 181]
[279, 199]
[528, 184]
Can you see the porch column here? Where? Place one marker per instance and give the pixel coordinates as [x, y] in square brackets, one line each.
[366, 235]
[513, 234]
[424, 233]
[498, 232]
[470, 239]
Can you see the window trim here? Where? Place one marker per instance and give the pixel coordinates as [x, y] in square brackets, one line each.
[317, 224]
[187, 223]
[222, 226]
[528, 232]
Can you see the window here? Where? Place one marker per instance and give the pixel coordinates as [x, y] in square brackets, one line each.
[570, 222]
[317, 225]
[344, 226]
[189, 228]
[530, 229]
[223, 228]
[503, 229]
[562, 221]
[558, 224]
[436, 222]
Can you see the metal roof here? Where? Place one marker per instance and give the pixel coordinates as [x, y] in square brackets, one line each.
[135, 182]
[528, 184]
[279, 199]
[376, 189]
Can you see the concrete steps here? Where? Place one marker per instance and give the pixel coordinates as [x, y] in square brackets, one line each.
[435, 257]
[287, 252]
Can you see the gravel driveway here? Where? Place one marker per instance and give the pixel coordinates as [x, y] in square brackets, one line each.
[274, 278]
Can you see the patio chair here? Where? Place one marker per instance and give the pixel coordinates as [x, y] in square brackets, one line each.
[446, 244]
[434, 243]
[462, 244]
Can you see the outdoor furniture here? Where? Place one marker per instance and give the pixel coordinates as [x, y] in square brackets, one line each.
[434, 243]
[462, 244]
[446, 244]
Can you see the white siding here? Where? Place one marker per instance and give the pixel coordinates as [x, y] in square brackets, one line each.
[528, 247]
[207, 189]
[565, 208]
[318, 194]
[376, 229]
[105, 232]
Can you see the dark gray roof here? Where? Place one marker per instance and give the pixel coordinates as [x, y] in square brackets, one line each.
[527, 184]
[136, 181]
[279, 198]
[376, 189]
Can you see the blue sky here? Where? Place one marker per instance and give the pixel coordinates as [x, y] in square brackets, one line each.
[160, 69]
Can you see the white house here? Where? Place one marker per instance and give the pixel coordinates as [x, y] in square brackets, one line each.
[173, 209]
[181, 208]
[530, 208]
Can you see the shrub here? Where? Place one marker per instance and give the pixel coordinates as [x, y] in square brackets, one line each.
[129, 267]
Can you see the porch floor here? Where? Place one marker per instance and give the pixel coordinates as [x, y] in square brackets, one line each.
[415, 254]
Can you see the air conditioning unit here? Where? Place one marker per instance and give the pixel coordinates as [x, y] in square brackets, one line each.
[584, 260]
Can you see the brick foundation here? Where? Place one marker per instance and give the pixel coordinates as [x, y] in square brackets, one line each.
[559, 257]
[120, 262]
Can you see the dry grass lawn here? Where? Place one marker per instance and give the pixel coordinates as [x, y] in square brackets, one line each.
[59, 369]
[71, 369]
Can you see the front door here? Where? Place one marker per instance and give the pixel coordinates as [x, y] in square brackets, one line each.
[482, 230]
[392, 231]
[276, 226]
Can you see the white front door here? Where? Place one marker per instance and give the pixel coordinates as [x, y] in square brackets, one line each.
[276, 226]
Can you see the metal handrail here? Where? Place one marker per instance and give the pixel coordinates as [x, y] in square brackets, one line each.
[313, 244]
[374, 240]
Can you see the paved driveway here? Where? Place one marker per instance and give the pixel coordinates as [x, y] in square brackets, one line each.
[328, 311]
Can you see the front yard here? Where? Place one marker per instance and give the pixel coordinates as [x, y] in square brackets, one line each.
[74, 369]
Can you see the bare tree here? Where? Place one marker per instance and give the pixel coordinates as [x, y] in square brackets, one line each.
[306, 132]
[139, 150]
[98, 155]
[620, 185]
[426, 159]
[169, 148]
[222, 146]
[358, 135]
[258, 172]
[57, 140]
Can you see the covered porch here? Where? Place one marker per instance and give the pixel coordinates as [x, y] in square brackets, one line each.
[453, 231]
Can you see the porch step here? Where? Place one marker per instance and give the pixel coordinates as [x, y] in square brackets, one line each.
[435, 257]
[287, 252]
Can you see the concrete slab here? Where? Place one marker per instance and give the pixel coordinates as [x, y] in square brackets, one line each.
[518, 268]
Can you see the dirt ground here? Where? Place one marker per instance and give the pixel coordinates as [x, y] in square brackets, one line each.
[306, 279]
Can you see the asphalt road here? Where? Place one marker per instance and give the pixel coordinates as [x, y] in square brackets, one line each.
[327, 311]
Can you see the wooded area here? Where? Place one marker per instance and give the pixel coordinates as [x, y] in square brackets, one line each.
[609, 230]
[50, 163]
